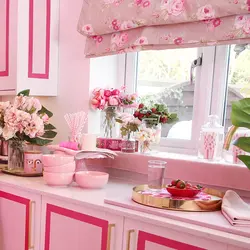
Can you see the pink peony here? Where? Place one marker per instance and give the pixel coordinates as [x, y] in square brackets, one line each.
[175, 7]
[115, 92]
[32, 104]
[178, 40]
[35, 127]
[113, 101]
[141, 41]
[240, 21]
[246, 27]
[205, 12]
[107, 93]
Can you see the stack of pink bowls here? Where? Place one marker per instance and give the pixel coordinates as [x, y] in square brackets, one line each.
[59, 170]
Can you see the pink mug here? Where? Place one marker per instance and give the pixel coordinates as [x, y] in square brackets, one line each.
[33, 162]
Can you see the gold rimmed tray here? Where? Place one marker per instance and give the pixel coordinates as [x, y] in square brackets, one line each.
[20, 173]
[209, 200]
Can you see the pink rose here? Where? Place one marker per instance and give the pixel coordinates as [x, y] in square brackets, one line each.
[141, 41]
[205, 12]
[107, 92]
[216, 22]
[246, 27]
[175, 7]
[113, 101]
[87, 29]
[178, 40]
[146, 4]
[115, 92]
[240, 21]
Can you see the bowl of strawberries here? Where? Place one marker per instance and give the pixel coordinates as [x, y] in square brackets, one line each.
[182, 188]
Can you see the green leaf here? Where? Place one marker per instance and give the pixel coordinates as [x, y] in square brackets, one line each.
[45, 111]
[49, 127]
[243, 143]
[38, 141]
[173, 116]
[245, 159]
[49, 134]
[25, 92]
[240, 114]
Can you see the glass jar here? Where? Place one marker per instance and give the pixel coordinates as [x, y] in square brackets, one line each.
[154, 124]
[109, 123]
[211, 139]
[128, 144]
[15, 155]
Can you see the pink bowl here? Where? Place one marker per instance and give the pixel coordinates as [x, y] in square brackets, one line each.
[58, 179]
[67, 168]
[56, 160]
[91, 179]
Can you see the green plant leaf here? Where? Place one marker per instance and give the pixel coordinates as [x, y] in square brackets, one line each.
[37, 141]
[49, 127]
[45, 111]
[243, 143]
[49, 134]
[240, 113]
[245, 159]
[25, 92]
[173, 116]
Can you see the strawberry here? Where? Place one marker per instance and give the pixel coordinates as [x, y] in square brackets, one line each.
[136, 114]
[174, 182]
[181, 184]
[188, 185]
[153, 110]
[141, 106]
[140, 116]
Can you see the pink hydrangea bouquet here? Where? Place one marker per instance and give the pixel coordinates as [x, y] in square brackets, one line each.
[24, 120]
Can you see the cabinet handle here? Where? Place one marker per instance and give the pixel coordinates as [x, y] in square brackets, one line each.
[129, 238]
[109, 235]
[31, 246]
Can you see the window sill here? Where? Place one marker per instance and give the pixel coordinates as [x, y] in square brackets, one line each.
[189, 167]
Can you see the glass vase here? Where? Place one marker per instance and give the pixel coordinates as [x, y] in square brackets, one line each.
[15, 155]
[153, 124]
[144, 147]
[128, 145]
[109, 130]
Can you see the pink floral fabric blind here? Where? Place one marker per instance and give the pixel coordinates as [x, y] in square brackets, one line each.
[119, 26]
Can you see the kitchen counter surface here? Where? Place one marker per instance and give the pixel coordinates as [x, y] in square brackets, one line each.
[119, 191]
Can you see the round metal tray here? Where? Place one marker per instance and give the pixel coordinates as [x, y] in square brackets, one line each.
[20, 173]
[176, 203]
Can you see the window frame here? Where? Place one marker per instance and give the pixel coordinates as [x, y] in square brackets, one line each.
[207, 90]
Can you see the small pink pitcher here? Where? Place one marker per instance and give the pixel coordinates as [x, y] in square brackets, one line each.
[33, 162]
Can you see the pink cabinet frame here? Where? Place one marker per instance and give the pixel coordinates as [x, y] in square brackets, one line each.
[25, 202]
[77, 216]
[143, 237]
[7, 24]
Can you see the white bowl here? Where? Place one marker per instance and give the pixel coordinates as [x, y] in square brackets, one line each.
[56, 160]
[67, 168]
[58, 179]
[91, 179]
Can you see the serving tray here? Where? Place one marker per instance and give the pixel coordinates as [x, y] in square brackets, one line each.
[207, 200]
[20, 173]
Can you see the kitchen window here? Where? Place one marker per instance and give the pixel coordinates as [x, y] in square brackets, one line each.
[164, 76]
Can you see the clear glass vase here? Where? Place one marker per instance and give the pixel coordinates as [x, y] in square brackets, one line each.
[16, 155]
[154, 124]
[144, 147]
[109, 123]
[128, 145]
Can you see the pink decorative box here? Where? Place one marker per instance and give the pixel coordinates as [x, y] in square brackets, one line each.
[111, 144]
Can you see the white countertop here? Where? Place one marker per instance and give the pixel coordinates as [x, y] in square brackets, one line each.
[118, 188]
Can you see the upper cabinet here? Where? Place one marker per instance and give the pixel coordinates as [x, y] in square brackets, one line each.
[29, 46]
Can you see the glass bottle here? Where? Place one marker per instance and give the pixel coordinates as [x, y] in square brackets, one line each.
[211, 139]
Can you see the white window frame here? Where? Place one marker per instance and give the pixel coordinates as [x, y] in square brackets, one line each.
[210, 88]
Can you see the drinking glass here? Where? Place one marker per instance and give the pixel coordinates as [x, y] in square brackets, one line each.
[156, 170]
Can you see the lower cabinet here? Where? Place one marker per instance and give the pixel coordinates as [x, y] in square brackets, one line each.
[67, 226]
[19, 219]
[143, 236]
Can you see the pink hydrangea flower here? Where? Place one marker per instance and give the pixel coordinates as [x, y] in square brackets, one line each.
[205, 12]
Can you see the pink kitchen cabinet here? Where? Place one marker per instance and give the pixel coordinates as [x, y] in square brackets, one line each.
[19, 219]
[143, 236]
[29, 46]
[68, 226]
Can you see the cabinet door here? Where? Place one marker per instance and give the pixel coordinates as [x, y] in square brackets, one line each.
[142, 236]
[67, 226]
[18, 228]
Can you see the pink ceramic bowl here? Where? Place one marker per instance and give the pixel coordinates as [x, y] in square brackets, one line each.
[67, 168]
[58, 179]
[56, 160]
[91, 179]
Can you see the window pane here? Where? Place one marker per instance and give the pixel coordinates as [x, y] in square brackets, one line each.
[238, 78]
[163, 77]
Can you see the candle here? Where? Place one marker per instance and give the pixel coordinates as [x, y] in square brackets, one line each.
[88, 142]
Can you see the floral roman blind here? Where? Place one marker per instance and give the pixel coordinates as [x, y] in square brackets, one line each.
[119, 26]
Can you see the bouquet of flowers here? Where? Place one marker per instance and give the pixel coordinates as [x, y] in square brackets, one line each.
[26, 120]
[145, 136]
[157, 113]
[128, 123]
